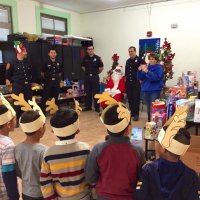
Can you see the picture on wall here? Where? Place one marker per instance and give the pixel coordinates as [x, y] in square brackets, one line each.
[146, 45]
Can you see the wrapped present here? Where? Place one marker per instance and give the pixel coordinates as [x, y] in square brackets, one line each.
[197, 111]
[150, 130]
[167, 91]
[190, 91]
[171, 107]
[190, 107]
[158, 105]
[179, 92]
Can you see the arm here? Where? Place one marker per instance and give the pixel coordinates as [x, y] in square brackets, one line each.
[142, 191]
[194, 188]
[46, 181]
[91, 169]
[9, 172]
[141, 75]
[100, 66]
[155, 75]
[9, 73]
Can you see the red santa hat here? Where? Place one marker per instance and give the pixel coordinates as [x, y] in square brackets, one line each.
[118, 69]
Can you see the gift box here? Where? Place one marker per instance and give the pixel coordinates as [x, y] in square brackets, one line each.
[167, 91]
[171, 107]
[150, 130]
[197, 111]
[190, 107]
[179, 92]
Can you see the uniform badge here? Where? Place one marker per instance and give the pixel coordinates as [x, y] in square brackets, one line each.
[94, 60]
[136, 60]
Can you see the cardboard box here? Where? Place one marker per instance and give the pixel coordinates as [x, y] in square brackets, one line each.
[197, 111]
[192, 156]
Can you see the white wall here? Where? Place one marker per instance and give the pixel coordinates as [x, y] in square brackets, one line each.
[115, 30]
[27, 18]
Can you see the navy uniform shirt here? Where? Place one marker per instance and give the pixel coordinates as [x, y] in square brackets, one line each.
[52, 70]
[92, 64]
[20, 72]
[131, 68]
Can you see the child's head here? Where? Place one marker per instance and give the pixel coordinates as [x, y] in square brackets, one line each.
[65, 123]
[178, 146]
[32, 124]
[115, 125]
[7, 119]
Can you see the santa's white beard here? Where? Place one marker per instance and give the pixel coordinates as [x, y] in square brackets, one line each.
[116, 78]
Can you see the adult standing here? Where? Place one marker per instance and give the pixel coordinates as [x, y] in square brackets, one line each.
[92, 65]
[151, 76]
[133, 87]
[19, 74]
[52, 72]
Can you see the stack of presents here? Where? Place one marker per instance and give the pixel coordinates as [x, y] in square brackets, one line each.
[184, 93]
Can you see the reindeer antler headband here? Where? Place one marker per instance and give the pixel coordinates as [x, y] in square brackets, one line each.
[7, 116]
[26, 106]
[166, 138]
[67, 130]
[123, 112]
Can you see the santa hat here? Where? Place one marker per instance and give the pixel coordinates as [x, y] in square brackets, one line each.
[174, 124]
[9, 114]
[19, 47]
[118, 69]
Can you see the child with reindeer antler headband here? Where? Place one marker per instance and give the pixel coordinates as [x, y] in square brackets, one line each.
[113, 166]
[168, 178]
[29, 153]
[8, 178]
[62, 173]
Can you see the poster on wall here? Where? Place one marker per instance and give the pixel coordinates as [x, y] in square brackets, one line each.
[145, 45]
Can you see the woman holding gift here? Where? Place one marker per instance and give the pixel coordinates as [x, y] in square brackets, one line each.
[151, 76]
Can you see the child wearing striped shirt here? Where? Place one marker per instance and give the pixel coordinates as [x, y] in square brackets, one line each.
[8, 178]
[63, 166]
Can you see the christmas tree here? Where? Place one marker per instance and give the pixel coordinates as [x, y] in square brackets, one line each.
[166, 56]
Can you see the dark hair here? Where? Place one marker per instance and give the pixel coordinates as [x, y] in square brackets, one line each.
[111, 118]
[29, 116]
[132, 47]
[63, 117]
[154, 55]
[3, 109]
[182, 136]
[90, 46]
[51, 48]
[67, 137]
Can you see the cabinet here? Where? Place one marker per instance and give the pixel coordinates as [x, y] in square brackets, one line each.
[69, 56]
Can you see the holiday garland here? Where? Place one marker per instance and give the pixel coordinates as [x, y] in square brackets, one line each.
[166, 56]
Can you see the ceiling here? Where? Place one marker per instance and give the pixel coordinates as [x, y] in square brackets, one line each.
[85, 6]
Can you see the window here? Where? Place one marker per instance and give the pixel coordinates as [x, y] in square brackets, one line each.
[51, 25]
[5, 22]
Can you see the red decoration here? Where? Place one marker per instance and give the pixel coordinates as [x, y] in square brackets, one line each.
[149, 33]
[166, 56]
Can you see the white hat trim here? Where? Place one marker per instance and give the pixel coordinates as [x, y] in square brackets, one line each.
[32, 126]
[175, 146]
[6, 117]
[116, 128]
[67, 130]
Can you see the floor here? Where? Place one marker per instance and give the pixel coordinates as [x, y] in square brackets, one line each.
[92, 130]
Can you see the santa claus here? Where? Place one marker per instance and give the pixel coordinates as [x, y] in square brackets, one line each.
[116, 85]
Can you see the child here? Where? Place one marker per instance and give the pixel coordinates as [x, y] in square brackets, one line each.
[168, 178]
[8, 178]
[29, 154]
[114, 164]
[62, 173]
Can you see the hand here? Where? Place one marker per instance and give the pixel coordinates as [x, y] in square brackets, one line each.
[8, 82]
[144, 68]
[140, 68]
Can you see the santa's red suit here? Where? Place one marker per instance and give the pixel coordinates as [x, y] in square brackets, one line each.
[116, 86]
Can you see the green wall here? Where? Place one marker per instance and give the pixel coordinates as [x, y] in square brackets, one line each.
[39, 10]
[13, 5]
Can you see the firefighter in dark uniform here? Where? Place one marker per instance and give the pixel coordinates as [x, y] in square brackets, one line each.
[19, 74]
[92, 66]
[52, 73]
[133, 87]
